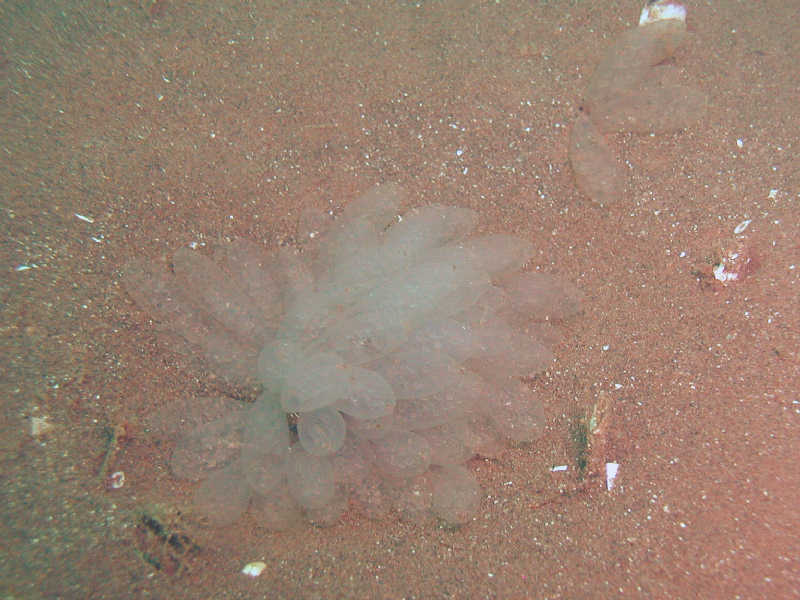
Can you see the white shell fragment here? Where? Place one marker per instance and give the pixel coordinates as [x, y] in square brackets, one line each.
[116, 480]
[254, 569]
[660, 10]
[611, 475]
[740, 228]
[720, 274]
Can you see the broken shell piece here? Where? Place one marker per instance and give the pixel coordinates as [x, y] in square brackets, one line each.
[611, 475]
[659, 10]
[254, 569]
[736, 263]
[116, 480]
[740, 228]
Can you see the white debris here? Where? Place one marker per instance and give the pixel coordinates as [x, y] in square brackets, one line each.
[611, 474]
[720, 274]
[254, 569]
[660, 10]
[742, 226]
[116, 480]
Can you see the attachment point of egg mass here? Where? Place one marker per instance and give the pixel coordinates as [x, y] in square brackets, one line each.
[659, 10]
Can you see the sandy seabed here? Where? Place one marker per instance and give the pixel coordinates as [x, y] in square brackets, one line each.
[132, 129]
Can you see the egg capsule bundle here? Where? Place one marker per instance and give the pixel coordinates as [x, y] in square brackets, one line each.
[389, 353]
[633, 89]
